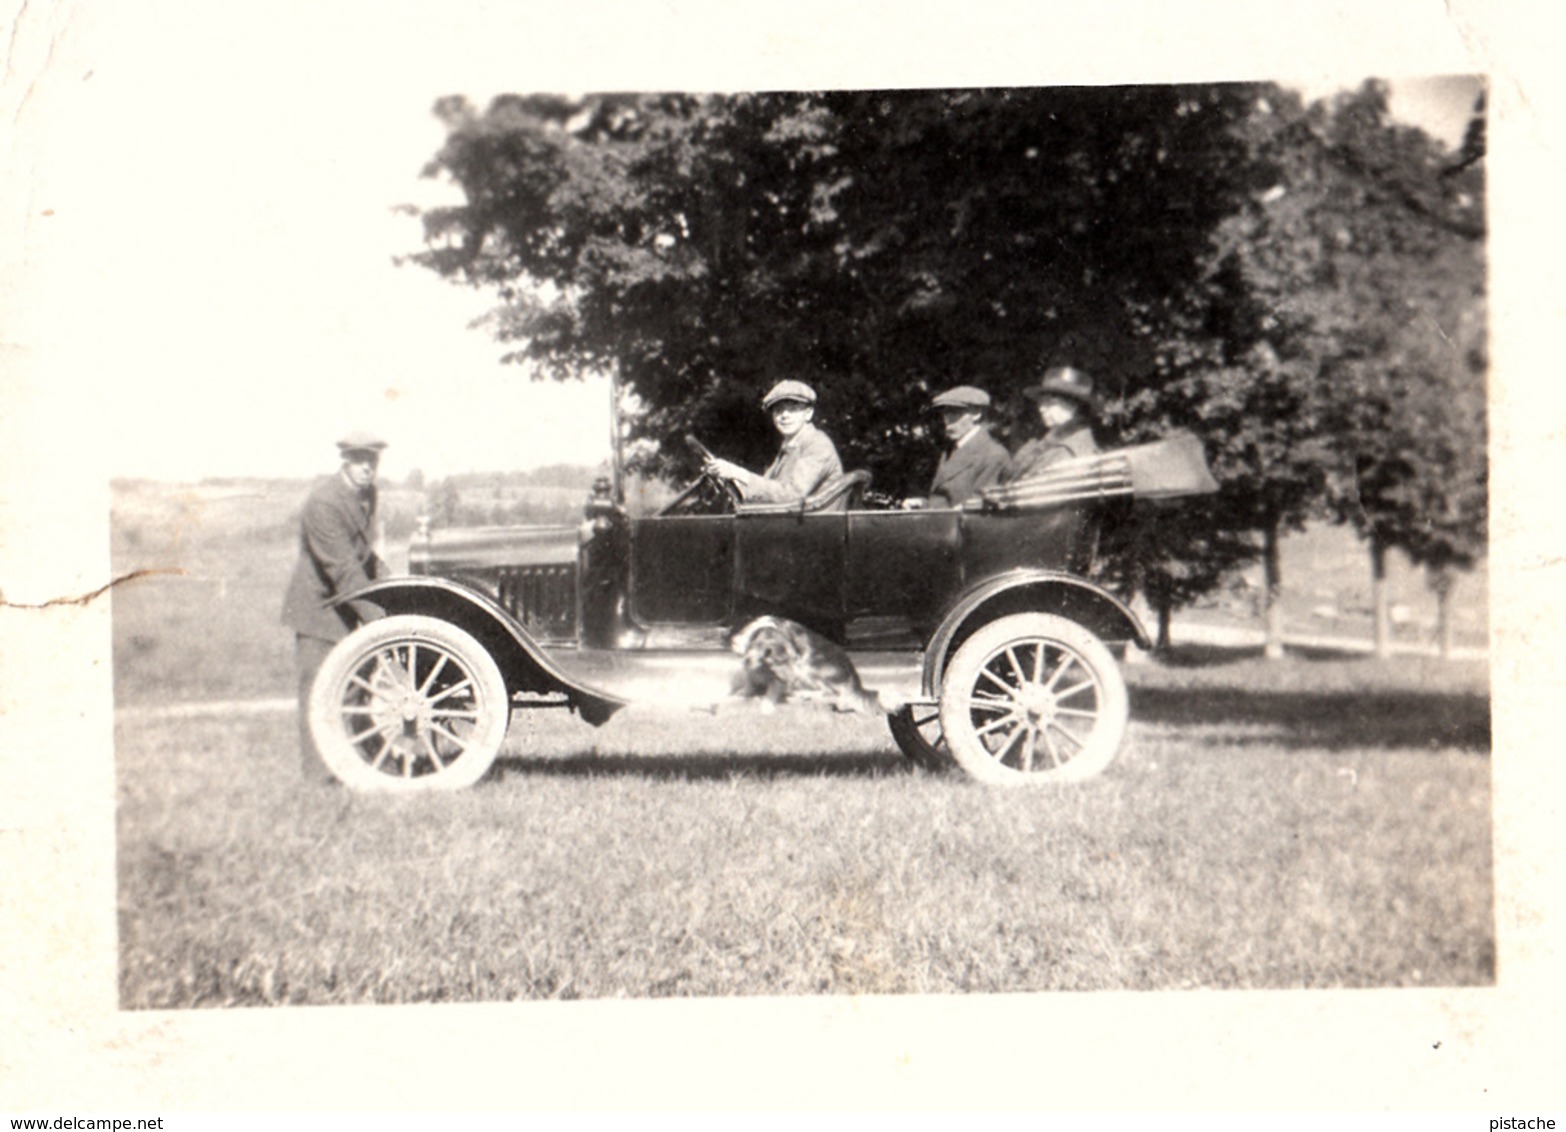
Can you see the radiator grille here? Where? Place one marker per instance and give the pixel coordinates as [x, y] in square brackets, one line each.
[543, 598]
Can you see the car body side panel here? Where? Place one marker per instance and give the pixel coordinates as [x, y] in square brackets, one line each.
[904, 568]
[792, 565]
[871, 580]
[1060, 538]
[682, 569]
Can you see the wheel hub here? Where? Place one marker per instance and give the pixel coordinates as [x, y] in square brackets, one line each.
[1036, 704]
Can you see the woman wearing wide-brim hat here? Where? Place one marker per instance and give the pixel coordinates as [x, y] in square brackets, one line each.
[1067, 405]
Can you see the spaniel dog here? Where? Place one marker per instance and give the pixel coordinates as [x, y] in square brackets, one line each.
[784, 661]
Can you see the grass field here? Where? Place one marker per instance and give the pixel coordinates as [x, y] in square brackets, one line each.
[1328, 829]
[1315, 822]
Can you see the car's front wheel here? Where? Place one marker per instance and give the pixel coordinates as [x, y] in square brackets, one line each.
[1032, 699]
[409, 703]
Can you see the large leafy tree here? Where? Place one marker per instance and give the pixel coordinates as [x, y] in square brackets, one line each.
[1408, 381]
[877, 244]
[1227, 259]
[1330, 353]
[1237, 359]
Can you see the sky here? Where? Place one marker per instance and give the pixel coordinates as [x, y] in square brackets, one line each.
[220, 210]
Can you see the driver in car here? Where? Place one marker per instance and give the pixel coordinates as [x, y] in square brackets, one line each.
[805, 461]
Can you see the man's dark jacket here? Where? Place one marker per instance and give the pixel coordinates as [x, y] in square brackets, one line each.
[336, 556]
[969, 468]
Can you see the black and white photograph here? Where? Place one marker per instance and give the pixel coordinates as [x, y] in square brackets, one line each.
[645, 558]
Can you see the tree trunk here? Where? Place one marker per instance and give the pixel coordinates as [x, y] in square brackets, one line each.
[1139, 604]
[1165, 623]
[1443, 581]
[1378, 596]
[1272, 592]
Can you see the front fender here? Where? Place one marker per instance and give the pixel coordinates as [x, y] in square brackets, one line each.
[524, 662]
[1025, 591]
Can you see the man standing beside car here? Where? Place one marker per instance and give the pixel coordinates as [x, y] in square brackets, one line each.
[806, 459]
[976, 459]
[1067, 405]
[336, 557]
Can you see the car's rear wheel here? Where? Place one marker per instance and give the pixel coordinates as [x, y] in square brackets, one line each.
[1032, 699]
[407, 704]
[917, 730]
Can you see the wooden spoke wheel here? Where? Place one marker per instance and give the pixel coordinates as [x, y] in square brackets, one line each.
[407, 704]
[1032, 699]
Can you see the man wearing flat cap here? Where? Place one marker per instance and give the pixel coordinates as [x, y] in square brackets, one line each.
[806, 459]
[976, 459]
[1067, 405]
[336, 556]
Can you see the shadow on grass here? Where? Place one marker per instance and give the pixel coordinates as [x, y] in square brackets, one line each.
[1315, 698]
[1212, 656]
[707, 766]
[1332, 720]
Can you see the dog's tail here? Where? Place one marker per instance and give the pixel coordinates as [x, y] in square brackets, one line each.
[856, 699]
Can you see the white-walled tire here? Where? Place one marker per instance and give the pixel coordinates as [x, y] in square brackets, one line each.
[1033, 699]
[407, 704]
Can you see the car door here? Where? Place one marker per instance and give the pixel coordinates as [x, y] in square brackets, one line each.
[792, 564]
[903, 570]
[682, 570]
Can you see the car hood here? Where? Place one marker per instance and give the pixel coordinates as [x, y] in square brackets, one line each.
[478, 548]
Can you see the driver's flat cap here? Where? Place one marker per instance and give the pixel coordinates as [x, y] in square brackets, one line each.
[361, 440]
[962, 397]
[789, 391]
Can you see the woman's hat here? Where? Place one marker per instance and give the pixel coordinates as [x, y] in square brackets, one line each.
[1065, 381]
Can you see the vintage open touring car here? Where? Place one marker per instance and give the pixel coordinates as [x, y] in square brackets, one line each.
[977, 625]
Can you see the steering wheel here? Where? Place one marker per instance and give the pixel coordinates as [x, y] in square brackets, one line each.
[730, 492]
[707, 494]
[699, 448]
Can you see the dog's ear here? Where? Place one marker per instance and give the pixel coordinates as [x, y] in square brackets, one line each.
[798, 637]
[740, 642]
